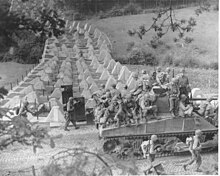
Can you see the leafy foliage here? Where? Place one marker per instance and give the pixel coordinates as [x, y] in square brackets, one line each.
[165, 20]
[80, 161]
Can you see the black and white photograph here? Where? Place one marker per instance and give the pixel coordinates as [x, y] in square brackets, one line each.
[109, 87]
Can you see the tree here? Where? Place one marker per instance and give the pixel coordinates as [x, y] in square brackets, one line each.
[166, 21]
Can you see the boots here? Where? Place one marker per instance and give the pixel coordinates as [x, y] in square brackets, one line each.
[173, 114]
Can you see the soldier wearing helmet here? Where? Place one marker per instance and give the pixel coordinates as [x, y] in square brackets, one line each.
[124, 91]
[183, 83]
[167, 75]
[114, 91]
[24, 109]
[148, 106]
[153, 80]
[173, 93]
[138, 89]
[70, 117]
[195, 149]
[184, 109]
[130, 108]
[148, 149]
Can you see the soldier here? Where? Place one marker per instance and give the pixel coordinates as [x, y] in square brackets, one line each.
[148, 149]
[160, 76]
[183, 83]
[153, 80]
[114, 91]
[138, 90]
[184, 110]
[70, 117]
[106, 99]
[124, 91]
[168, 75]
[210, 111]
[120, 115]
[130, 109]
[195, 148]
[173, 93]
[145, 76]
[24, 109]
[148, 106]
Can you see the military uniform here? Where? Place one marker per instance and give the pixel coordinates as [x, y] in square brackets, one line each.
[147, 106]
[70, 116]
[173, 93]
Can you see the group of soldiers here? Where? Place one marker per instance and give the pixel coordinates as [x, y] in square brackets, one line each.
[125, 106]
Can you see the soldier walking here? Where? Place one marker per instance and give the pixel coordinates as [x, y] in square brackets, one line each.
[70, 116]
[195, 148]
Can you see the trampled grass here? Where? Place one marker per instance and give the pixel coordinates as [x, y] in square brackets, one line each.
[205, 34]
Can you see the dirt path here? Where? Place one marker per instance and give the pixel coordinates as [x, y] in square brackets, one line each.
[19, 157]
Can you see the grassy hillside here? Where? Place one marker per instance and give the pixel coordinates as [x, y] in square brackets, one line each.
[10, 72]
[205, 44]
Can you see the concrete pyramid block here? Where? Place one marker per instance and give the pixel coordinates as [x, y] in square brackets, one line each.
[111, 80]
[13, 102]
[89, 80]
[132, 84]
[86, 94]
[45, 78]
[59, 83]
[124, 74]
[94, 60]
[39, 85]
[96, 65]
[57, 93]
[120, 86]
[87, 73]
[100, 69]
[67, 80]
[105, 75]
[55, 102]
[130, 77]
[48, 70]
[60, 75]
[111, 65]
[27, 90]
[102, 55]
[106, 62]
[83, 84]
[93, 88]
[56, 117]
[90, 103]
[117, 68]
[31, 97]
[35, 80]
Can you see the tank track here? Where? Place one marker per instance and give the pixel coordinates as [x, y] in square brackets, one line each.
[137, 140]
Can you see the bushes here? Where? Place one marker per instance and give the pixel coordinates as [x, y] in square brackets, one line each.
[142, 55]
[28, 50]
[129, 9]
[132, 9]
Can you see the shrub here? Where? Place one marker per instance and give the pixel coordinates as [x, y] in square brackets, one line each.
[78, 17]
[167, 60]
[132, 8]
[142, 55]
[214, 65]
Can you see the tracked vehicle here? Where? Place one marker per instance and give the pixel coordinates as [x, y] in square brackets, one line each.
[125, 141]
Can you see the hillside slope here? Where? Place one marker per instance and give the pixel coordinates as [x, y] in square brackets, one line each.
[205, 34]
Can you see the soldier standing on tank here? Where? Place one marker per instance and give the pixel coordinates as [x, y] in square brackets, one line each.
[148, 149]
[147, 106]
[70, 117]
[168, 75]
[195, 148]
[183, 83]
[138, 90]
[130, 109]
[173, 93]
